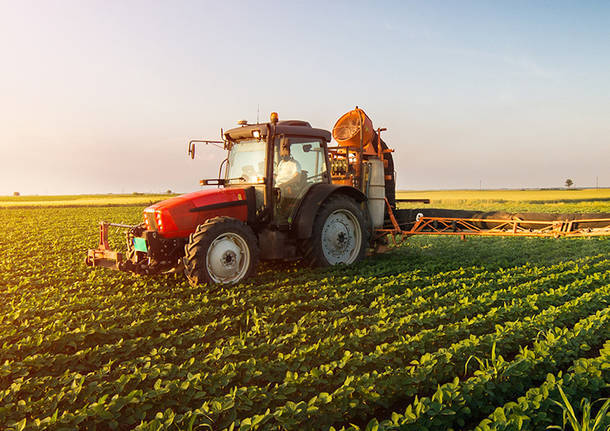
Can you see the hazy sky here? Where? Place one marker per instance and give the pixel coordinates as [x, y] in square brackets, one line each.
[103, 96]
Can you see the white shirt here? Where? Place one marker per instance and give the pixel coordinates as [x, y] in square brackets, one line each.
[286, 170]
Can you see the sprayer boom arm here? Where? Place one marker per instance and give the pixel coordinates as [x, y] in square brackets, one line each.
[502, 227]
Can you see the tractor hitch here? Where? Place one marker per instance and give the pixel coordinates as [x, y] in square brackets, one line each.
[147, 252]
[103, 256]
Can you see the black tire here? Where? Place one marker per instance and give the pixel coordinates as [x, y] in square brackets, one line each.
[197, 265]
[313, 249]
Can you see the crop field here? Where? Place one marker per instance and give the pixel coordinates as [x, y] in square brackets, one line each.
[436, 334]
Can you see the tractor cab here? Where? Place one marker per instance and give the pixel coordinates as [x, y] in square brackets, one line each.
[281, 160]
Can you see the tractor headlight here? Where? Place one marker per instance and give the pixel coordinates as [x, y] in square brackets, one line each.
[164, 221]
[159, 220]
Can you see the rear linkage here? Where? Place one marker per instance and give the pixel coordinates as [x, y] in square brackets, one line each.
[147, 252]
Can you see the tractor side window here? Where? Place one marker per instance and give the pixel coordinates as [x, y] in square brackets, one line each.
[298, 164]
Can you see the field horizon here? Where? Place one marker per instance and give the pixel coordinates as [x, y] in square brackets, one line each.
[475, 199]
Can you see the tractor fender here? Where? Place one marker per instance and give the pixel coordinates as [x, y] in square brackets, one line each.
[310, 204]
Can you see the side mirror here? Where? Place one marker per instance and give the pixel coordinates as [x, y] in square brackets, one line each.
[306, 148]
[191, 151]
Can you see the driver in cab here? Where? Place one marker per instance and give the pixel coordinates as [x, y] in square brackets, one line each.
[288, 169]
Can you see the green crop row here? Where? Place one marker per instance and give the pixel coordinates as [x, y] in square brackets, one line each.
[587, 378]
[559, 295]
[377, 388]
[258, 371]
[458, 403]
[381, 387]
[366, 333]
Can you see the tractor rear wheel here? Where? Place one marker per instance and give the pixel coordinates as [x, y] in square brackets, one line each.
[223, 250]
[339, 233]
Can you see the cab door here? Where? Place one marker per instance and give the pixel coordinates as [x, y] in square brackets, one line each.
[298, 164]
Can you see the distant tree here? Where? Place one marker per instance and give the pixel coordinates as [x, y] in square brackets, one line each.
[16, 194]
[569, 183]
[168, 191]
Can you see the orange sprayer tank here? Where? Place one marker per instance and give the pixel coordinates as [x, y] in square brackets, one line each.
[352, 127]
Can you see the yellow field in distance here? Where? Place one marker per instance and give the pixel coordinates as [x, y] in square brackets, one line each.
[508, 195]
[558, 201]
[81, 200]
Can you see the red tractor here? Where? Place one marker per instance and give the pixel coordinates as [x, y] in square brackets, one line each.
[286, 195]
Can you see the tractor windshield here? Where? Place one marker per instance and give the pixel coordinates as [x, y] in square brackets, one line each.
[246, 163]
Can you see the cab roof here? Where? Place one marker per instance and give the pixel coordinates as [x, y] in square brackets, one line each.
[286, 127]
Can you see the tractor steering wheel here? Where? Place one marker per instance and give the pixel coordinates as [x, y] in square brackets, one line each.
[320, 175]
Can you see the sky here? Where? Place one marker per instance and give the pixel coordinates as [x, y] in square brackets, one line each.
[103, 96]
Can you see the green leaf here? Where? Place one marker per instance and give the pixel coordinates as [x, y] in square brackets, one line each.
[373, 425]
[21, 424]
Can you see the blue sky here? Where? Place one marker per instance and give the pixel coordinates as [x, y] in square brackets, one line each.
[103, 96]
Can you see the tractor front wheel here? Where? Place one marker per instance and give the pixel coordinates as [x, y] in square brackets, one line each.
[223, 250]
[339, 233]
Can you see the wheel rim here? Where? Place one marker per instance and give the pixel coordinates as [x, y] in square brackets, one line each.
[341, 237]
[228, 258]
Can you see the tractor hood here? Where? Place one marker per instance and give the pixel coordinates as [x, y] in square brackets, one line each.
[179, 216]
